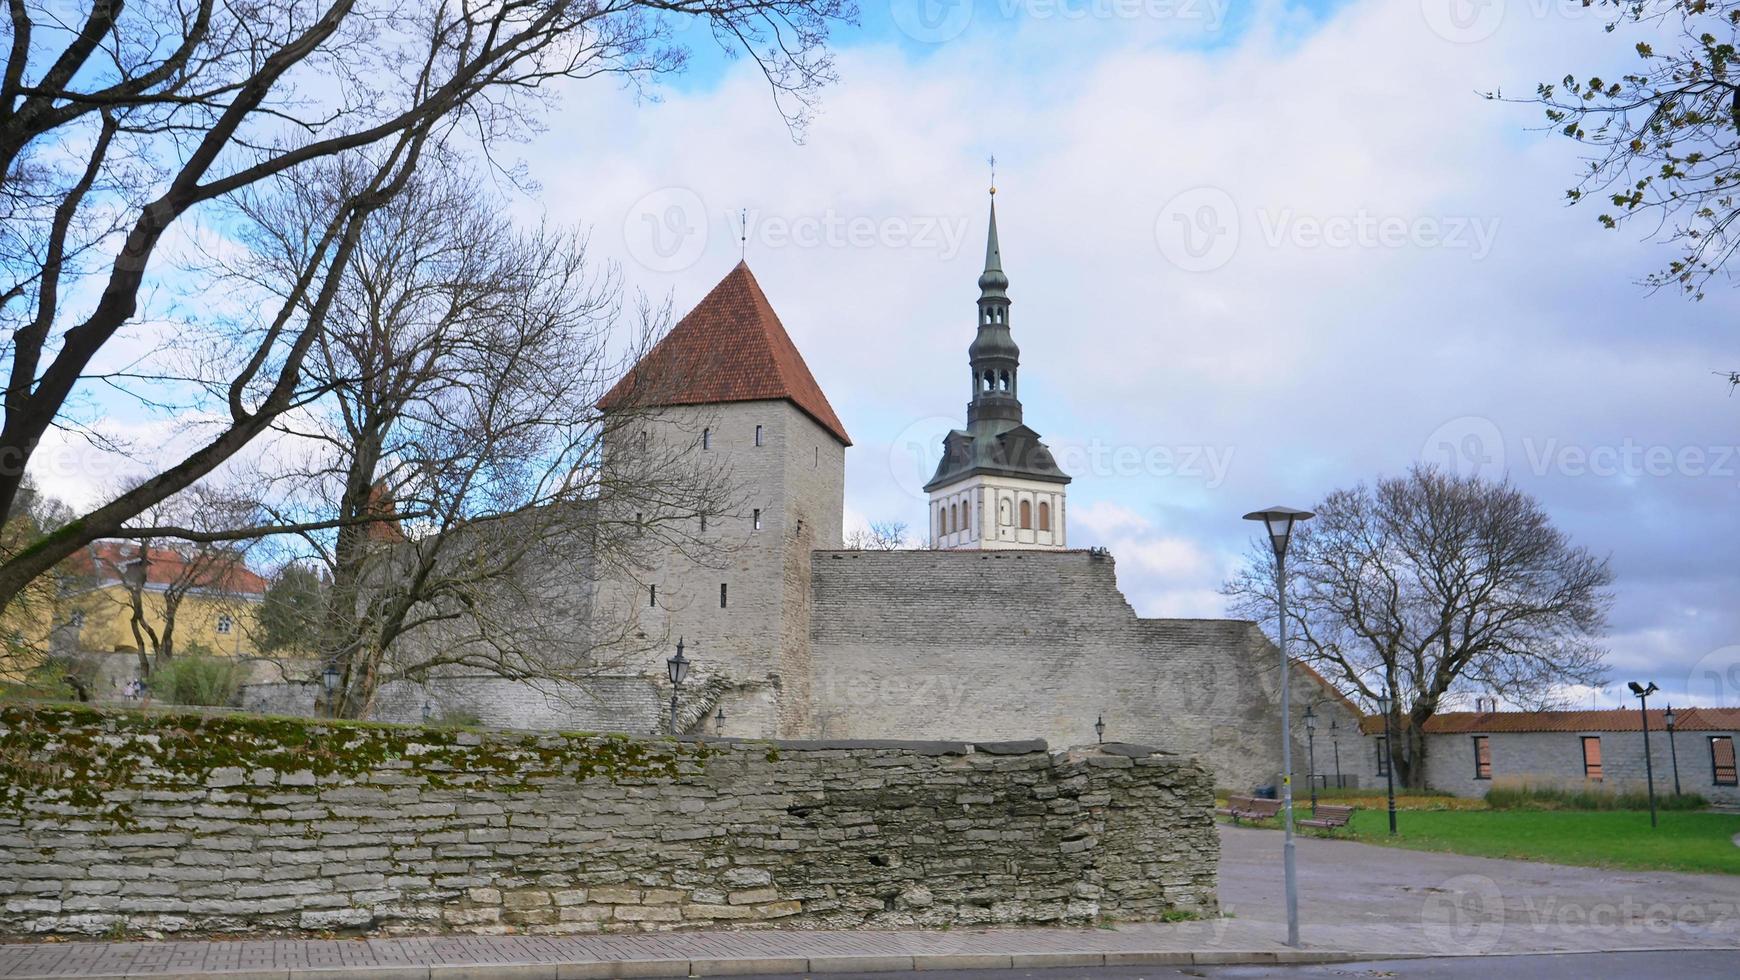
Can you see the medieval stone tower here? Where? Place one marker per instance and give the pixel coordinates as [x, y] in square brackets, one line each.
[730, 395]
[997, 485]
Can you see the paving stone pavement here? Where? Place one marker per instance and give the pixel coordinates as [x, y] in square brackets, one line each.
[1358, 901]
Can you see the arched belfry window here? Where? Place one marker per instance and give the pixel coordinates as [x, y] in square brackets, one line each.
[1027, 514]
[1044, 516]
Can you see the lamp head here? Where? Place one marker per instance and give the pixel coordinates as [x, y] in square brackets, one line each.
[1642, 691]
[678, 666]
[1279, 522]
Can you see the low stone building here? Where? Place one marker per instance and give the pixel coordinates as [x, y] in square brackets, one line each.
[1468, 752]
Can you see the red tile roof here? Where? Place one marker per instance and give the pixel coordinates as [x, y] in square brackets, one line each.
[1601, 720]
[730, 348]
[107, 559]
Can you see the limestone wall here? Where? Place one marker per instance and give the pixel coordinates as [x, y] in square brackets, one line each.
[148, 821]
[962, 644]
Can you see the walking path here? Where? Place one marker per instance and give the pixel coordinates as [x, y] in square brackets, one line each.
[1358, 901]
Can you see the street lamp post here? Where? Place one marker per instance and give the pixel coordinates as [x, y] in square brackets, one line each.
[1279, 521]
[1673, 750]
[678, 668]
[1335, 743]
[1100, 729]
[1643, 694]
[1311, 754]
[1389, 758]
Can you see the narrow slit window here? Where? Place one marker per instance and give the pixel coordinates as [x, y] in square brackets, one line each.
[758, 519]
[1482, 757]
[722, 595]
[706, 438]
[758, 435]
[652, 596]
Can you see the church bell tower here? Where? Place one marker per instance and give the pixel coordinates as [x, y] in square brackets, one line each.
[997, 485]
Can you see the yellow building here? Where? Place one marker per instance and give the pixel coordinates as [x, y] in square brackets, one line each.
[200, 601]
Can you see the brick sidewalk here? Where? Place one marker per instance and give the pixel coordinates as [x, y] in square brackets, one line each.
[655, 955]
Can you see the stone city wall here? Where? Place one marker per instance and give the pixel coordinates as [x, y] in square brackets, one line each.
[151, 821]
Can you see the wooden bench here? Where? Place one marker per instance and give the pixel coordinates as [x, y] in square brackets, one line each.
[1250, 808]
[1328, 817]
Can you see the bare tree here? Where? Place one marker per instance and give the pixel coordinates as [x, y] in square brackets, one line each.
[1432, 585]
[121, 119]
[879, 536]
[451, 476]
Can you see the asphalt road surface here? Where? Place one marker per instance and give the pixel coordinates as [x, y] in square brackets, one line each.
[1678, 964]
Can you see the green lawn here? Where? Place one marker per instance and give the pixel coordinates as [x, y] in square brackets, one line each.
[1698, 841]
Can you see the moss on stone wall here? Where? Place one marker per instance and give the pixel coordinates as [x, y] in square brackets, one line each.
[81, 756]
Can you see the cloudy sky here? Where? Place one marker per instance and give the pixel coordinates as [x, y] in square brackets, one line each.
[1258, 250]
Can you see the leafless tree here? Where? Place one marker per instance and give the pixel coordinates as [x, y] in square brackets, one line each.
[1432, 585]
[120, 119]
[451, 479]
[879, 536]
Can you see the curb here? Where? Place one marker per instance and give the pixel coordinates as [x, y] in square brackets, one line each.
[761, 965]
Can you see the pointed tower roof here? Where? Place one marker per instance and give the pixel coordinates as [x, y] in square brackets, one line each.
[992, 281]
[730, 348]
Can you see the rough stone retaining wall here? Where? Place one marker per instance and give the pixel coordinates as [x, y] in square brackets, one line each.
[149, 821]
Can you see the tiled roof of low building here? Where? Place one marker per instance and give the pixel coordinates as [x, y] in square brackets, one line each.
[1593, 720]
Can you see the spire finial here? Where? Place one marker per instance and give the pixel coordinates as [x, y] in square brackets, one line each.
[993, 162]
[743, 234]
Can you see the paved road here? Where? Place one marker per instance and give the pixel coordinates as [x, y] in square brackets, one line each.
[1561, 966]
[1368, 897]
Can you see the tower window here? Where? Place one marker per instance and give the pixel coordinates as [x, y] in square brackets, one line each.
[644, 440]
[703, 523]
[1003, 382]
[817, 461]
[967, 515]
[652, 596]
[1044, 516]
[1027, 515]
[758, 519]
[758, 435]
[706, 438]
[721, 595]
[639, 523]
[954, 518]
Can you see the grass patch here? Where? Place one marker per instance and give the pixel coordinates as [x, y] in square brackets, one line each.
[1695, 842]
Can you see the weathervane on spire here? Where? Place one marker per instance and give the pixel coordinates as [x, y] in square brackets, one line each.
[993, 162]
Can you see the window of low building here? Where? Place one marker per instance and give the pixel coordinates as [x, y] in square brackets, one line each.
[225, 624]
[1722, 760]
[1592, 758]
[1482, 757]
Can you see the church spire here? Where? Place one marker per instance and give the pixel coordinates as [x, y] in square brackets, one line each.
[994, 357]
